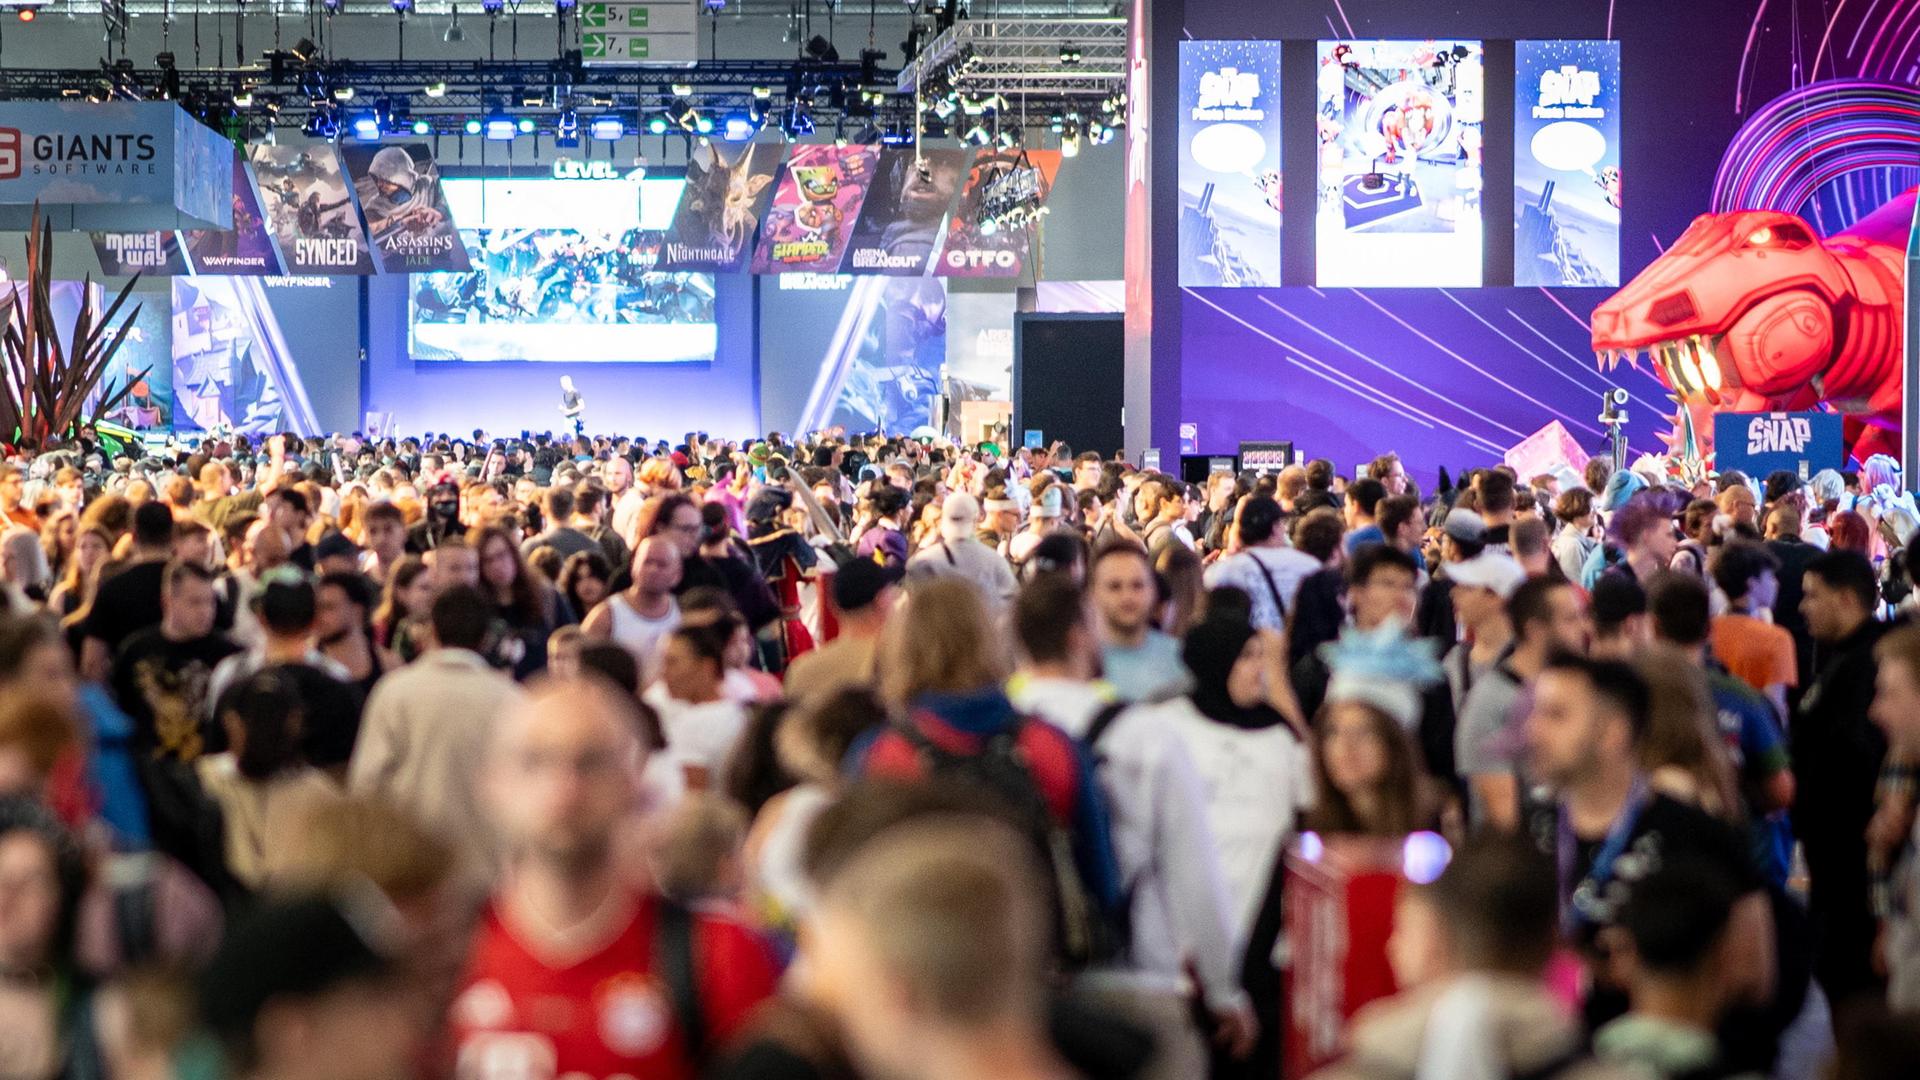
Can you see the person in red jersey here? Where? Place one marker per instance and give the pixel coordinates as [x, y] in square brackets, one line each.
[572, 973]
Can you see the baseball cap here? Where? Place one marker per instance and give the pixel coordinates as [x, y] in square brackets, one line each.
[958, 515]
[859, 582]
[1462, 524]
[1488, 570]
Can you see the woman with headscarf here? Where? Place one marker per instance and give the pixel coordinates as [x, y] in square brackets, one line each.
[1256, 775]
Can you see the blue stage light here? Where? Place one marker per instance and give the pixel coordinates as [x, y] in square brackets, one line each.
[366, 127]
[607, 128]
[500, 129]
[738, 129]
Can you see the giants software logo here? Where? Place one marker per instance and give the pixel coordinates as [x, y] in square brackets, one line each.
[9, 153]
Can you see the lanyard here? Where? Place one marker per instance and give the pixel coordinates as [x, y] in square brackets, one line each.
[1578, 899]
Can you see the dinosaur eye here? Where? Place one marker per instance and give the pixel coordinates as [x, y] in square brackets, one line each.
[1785, 235]
[1760, 237]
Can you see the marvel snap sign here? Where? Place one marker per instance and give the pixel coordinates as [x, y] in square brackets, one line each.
[1762, 443]
[124, 166]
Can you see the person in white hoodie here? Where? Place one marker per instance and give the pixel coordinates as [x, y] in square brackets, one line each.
[1179, 916]
[957, 553]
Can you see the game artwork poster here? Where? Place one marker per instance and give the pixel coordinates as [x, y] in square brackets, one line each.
[1566, 163]
[144, 362]
[1399, 127]
[398, 189]
[243, 249]
[310, 210]
[1230, 163]
[975, 248]
[727, 191]
[898, 232]
[155, 254]
[811, 220]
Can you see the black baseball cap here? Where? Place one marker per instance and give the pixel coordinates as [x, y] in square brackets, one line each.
[859, 583]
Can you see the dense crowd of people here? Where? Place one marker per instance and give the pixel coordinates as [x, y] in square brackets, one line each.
[858, 756]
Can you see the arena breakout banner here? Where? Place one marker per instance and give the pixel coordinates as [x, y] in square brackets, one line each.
[398, 189]
[976, 248]
[155, 254]
[812, 216]
[1399, 124]
[1566, 163]
[720, 206]
[310, 210]
[1230, 163]
[243, 249]
[899, 228]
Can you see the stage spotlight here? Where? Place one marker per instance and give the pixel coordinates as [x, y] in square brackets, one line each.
[566, 128]
[525, 125]
[607, 128]
[471, 127]
[366, 127]
[243, 98]
[1070, 144]
[564, 6]
[977, 135]
[703, 124]
[762, 93]
[435, 89]
[945, 107]
[822, 50]
[682, 90]
[657, 125]
[401, 7]
[331, 7]
[1069, 53]
[798, 121]
[27, 14]
[492, 7]
[343, 93]
[500, 127]
[422, 127]
[455, 32]
[321, 125]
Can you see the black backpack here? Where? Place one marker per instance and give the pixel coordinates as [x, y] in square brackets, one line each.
[1086, 934]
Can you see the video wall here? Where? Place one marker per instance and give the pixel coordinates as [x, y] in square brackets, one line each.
[565, 271]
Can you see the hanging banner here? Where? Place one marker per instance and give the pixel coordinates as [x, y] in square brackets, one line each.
[720, 207]
[243, 249]
[812, 216]
[155, 254]
[1230, 163]
[1566, 163]
[1762, 443]
[309, 209]
[899, 227]
[115, 166]
[976, 245]
[398, 189]
[1399, 124]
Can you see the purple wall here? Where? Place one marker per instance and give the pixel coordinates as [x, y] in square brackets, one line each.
[1452, 377]
[658, 400]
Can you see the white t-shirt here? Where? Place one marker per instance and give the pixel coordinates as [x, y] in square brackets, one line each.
[702, 736]
[641, 634]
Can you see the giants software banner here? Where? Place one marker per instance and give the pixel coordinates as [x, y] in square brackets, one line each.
[310, 210]
[1566, 163]
[110, 166]
[398, 188]
[1230, 163]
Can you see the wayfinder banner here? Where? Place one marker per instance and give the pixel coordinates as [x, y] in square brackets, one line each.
[720, 207]
[1762, 443]
[1230, 163]
[899, 228]
[243, 249]
[812, 217]
[1566, 163]
[310, 209]
[398, 188]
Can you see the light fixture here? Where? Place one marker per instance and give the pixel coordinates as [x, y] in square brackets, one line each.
[738, 128]
[1069, 53]
[798, 120]
[472, 126]
[566, 128]
[564, 6]
[682, 90]
[422, 127]
[492, 7]
[28, 14]
[607, 128]
[401, 7]
[1070, 144]
[455, 32]
[366, 127]
[977, 135]
[499, 126]
[331, 7]
[435, 89]
[525, 125]
[343, 93]
[703, 124]
[762, 93]
[657, 125]
[243, 98]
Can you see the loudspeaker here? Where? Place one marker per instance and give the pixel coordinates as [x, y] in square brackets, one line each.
[1069, 380]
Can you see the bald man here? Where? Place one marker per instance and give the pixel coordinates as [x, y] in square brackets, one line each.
[642, 615]
[563, 967]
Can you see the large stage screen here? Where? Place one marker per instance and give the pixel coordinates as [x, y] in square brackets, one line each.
[1400, 167]
[564, 271]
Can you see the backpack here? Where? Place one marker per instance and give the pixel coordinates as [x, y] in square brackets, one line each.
[1085, 933]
